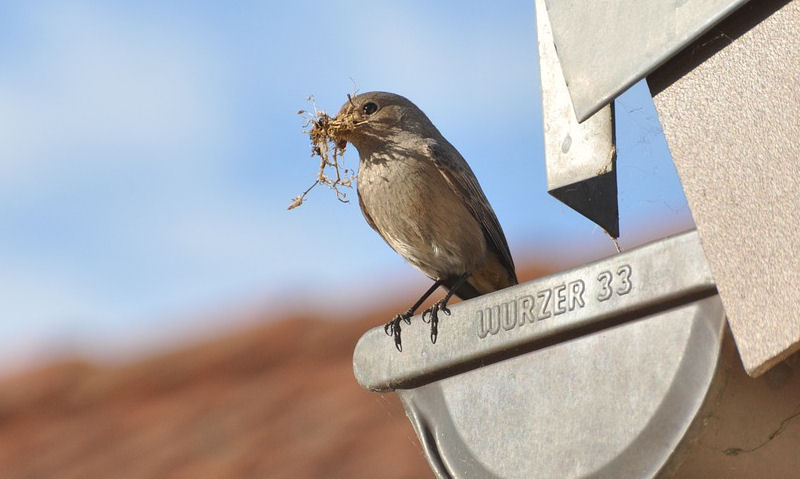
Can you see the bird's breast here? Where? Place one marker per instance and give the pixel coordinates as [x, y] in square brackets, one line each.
[420, 215]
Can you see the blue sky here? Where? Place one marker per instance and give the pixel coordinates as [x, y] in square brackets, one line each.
[148, 153]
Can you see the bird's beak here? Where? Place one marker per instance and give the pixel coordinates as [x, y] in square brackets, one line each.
[347, 115]
[346, 122]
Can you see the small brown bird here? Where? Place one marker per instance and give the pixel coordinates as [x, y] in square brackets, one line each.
[420, 195]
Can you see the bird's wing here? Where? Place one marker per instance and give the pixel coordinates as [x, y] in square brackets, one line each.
[367, 217]
[460, 177]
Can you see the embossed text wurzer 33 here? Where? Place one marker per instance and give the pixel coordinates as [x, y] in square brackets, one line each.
[554, 301]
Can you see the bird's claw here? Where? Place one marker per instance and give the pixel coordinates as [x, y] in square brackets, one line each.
[432, 315]
[392, 328]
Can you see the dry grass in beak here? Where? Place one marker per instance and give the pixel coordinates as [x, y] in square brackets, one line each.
[327, 143]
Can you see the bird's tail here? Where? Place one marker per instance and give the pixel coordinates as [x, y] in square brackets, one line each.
[492, 277]
[465, 291]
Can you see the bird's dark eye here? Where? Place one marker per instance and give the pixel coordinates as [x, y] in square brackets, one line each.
[369, 108]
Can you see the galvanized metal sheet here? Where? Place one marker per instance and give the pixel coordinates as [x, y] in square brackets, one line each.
[579, 156]
[537, 314]
[606, 46]
[612, 404]
[732, 126]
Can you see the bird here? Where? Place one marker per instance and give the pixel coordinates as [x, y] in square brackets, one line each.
[420, 195]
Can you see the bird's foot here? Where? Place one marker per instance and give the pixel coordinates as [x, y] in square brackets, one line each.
[432, 315]
[392, 328]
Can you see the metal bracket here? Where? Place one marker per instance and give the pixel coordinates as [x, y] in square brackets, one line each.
[597, 371]
[580, 158]
[607, 46]
[538, 314]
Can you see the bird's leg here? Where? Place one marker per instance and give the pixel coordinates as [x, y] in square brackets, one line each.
[392, 328]
[441, 305]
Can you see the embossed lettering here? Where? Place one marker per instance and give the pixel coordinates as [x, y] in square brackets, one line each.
[509, 320]
[576, 289]
[554, 301]
[624, 273]
[486, 323]
[560, 301]
[526, 310]
[605, 286]
[544, 304]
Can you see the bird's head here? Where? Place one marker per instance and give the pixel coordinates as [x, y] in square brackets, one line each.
[377, 119]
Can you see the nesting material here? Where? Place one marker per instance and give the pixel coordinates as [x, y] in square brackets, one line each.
[327, 144]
